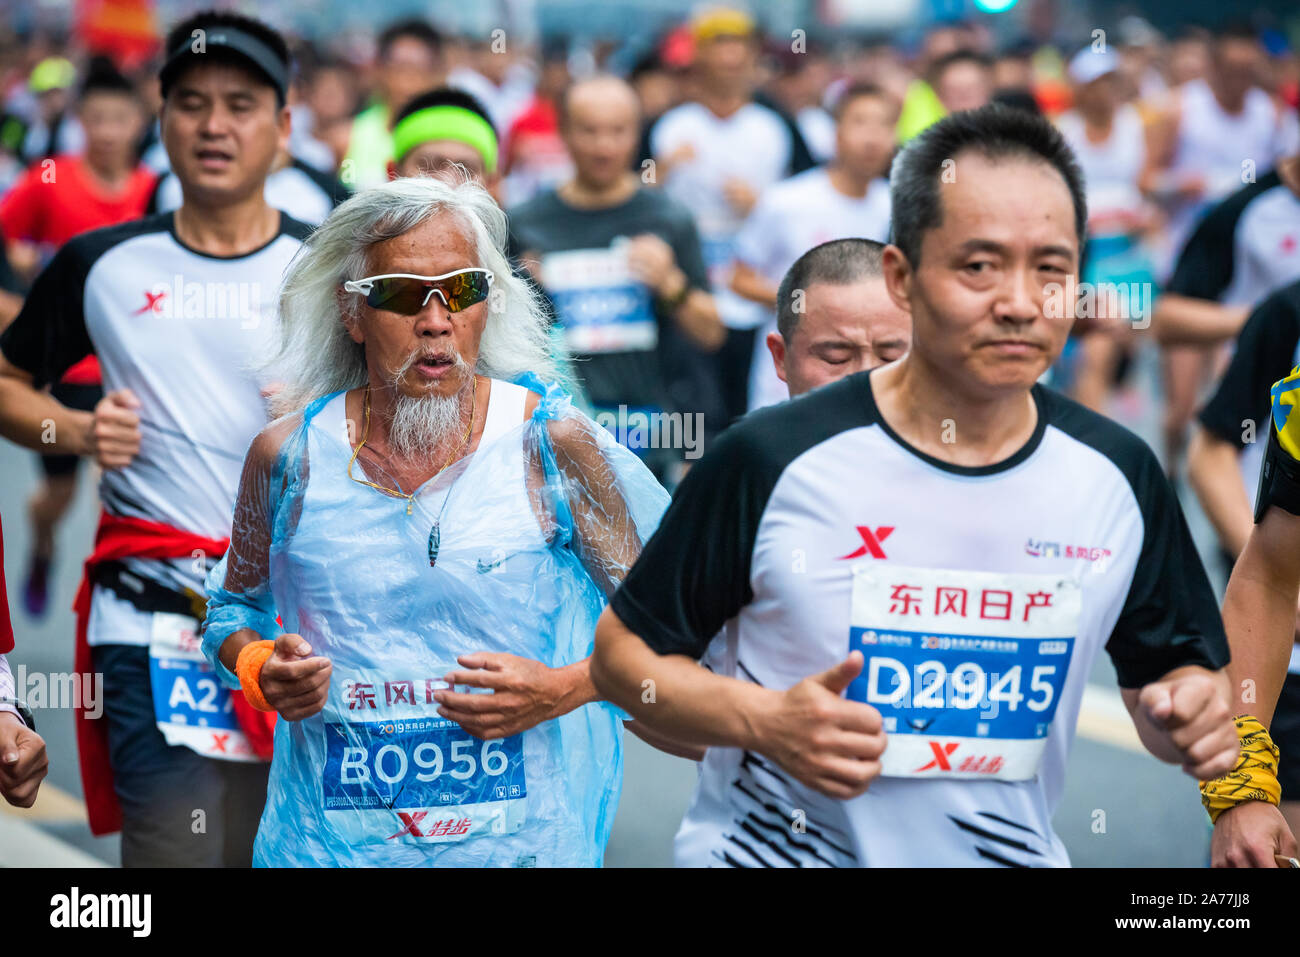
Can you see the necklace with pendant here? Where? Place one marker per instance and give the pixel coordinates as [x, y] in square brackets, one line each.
[435, 534]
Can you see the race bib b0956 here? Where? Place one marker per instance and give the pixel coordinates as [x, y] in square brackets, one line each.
[397, 772]
[966, 668]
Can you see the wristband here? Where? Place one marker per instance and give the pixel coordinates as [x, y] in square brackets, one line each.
[24, 712]
[673, 303]
[1254, 778]
[248, 668]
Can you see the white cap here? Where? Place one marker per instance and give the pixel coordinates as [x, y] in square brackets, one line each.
[1089, 64]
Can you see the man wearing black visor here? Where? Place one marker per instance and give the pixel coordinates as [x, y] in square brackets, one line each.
[181, 310]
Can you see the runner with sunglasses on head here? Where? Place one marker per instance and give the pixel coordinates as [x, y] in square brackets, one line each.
[178, 308]
[437, 528]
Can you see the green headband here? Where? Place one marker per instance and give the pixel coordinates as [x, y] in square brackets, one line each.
[446, 123]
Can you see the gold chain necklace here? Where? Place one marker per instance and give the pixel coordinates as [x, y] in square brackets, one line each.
[410, 498]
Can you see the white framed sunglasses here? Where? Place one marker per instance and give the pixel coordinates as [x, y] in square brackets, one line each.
[407, 294]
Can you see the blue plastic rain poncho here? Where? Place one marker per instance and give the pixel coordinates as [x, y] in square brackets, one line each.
[533, 531]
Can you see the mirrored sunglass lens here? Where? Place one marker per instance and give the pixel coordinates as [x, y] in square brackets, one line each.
[466, 290]
[397, 295]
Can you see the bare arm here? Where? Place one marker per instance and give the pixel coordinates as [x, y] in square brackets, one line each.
[1184, 320]
[1259, 614]
[31, 417]
[751, 284]
[672, 694]
[1212, 466]
[698, 317]
[830, 744]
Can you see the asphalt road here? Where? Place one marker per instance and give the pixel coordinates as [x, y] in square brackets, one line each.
[1121, 807]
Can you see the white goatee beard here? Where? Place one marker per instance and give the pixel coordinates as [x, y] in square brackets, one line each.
[420, 426]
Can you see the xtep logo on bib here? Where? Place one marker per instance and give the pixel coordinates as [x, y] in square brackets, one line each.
[871, 542]
[153, 302]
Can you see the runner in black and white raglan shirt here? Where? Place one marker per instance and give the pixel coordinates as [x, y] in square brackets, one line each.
[978, 588]
[181, 309]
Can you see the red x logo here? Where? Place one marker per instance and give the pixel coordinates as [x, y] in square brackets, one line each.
[940, 762]
[219, 742]
[409, 821]
[870, 542]
[153, 303]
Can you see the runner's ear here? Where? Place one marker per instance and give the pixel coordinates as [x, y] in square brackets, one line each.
[347, 316]
[898, 277]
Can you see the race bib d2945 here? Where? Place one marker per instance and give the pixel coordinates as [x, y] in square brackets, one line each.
[966, 668]
[397, 772]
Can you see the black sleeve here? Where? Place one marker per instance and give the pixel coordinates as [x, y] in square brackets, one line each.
[694, 573]
[151, 207]
[689, 253]
[1263, 355]
[1170, 617]
[49, 336]
[331, 186]
[1205, 265]
[801, 158]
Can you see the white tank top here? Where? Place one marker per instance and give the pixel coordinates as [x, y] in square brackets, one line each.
[1215, 143]
[1110, 168]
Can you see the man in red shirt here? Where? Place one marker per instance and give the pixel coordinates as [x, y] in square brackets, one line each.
[53, 201]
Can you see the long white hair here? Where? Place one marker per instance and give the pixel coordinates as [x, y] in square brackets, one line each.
[317, 357]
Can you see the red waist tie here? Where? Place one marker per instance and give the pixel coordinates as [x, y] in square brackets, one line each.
[118, 538]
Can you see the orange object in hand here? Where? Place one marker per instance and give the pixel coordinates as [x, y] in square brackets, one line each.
[248, 669]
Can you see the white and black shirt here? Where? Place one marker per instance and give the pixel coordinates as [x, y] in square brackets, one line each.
[1246, 247]
[187, 333]
[978, 596]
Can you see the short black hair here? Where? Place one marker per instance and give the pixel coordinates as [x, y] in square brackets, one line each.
[941, 65]
[1017, 98]
[209, 19]
[444, 96]
[1235, 30]
[995, 131]
[102, 76]
[413, 28]
[839, 262]
[855, 91]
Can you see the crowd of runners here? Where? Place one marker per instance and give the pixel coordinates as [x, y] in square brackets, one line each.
[457, 409]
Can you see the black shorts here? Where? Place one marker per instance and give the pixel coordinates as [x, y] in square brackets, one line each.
[83, 398]
[159, 785]
[1285, 732]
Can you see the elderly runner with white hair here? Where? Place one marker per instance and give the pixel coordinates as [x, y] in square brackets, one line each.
[437, 529]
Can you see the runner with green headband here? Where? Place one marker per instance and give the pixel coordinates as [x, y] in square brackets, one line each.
[441, 128]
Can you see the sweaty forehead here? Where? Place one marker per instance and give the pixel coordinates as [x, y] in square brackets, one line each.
[440, 244]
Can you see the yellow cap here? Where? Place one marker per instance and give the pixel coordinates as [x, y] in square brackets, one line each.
[52, 73]
[722, 22]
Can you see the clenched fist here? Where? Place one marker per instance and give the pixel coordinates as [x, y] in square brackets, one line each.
[829, 743]
[114, 438]
[1192, 715]
[23, 763]
[294, 682]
